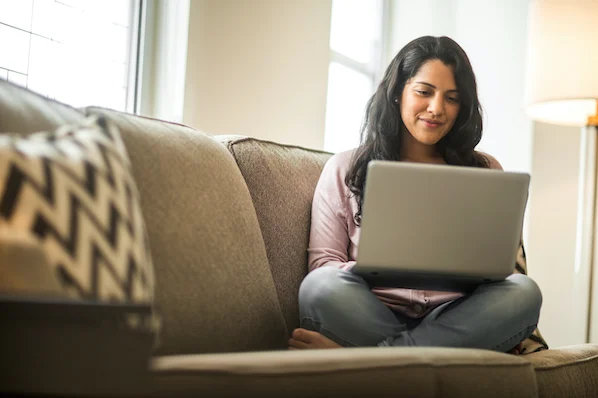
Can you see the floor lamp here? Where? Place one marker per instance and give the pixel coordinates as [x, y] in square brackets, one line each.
[562, 88]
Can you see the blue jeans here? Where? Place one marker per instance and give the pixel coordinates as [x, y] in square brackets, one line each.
[495, 316]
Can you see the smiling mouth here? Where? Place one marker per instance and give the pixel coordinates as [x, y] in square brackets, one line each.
[431, 123]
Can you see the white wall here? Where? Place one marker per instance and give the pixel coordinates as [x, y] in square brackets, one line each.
[412, 19]
[552, 234]
[259, 68]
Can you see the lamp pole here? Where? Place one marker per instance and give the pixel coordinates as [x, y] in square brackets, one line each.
[587, 238]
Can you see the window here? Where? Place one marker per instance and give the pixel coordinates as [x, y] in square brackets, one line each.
[81, 52]
[355, 55]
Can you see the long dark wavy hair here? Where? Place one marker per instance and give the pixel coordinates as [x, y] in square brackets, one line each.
[381, 127]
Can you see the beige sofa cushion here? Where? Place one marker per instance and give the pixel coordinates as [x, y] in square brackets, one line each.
[282, 180]
[214, 289]
[567, 371]
[24, 112]
[365, 372]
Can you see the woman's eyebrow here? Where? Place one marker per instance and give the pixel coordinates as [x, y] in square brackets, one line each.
[434, 87]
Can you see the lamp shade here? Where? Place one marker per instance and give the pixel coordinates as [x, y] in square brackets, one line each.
[562, 61]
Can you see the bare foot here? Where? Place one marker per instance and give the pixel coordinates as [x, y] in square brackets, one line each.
[306, 339]
[516, 350]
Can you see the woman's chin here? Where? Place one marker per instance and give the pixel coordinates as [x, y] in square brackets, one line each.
[429, 140]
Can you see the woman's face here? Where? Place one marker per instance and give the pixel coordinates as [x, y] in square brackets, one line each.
[430, 103]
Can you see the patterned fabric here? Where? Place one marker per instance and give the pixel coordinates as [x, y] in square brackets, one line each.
[72, 190]
[535, 342]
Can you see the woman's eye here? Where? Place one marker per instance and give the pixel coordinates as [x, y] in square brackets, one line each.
[422, 92]
[453, 99]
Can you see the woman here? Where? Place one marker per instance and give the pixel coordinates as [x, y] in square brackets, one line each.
[425, 110]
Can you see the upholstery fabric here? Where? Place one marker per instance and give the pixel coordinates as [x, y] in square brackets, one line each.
[214, 289]
[24, 112]
[281, 180]
[366, 372]
[570, 371]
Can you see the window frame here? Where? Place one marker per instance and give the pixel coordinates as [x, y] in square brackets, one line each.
[373, 70]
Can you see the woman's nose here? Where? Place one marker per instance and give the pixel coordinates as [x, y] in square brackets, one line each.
[436, 105]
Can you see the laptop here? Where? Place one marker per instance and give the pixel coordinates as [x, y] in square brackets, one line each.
[438, 227]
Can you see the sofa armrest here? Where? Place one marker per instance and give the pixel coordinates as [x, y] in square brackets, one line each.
[73, 348]
[570, 371]
[374, 371]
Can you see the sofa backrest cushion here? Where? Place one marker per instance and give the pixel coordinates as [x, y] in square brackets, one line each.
[282, 180]
[214, 289]
[24, 112]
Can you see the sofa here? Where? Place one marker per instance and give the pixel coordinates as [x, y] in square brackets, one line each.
[228, 220]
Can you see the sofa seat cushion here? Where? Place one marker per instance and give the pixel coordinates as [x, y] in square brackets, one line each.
[214, 289]
[567, 371]
[367, 372]
[281, 180]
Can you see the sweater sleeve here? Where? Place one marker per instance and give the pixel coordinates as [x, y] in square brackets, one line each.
[329, 236]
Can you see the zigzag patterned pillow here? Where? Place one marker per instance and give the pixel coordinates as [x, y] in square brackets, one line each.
[72, 191]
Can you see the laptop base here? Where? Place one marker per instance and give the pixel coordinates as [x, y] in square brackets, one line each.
[422, 281]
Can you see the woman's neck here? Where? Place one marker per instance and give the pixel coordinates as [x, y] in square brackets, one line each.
[414, 151]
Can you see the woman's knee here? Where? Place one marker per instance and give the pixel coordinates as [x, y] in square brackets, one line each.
[323, 287]
[528, 293]
[318, 283]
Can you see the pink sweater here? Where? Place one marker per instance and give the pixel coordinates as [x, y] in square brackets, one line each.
[334, 239]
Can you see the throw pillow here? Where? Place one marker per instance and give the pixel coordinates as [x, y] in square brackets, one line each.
[72, 192]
